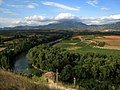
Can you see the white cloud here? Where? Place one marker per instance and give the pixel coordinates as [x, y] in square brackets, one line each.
[1, 2]
[9, 22]
[60, 6]
[111, 17]
[35, 18]
[29, 6]
[102, 20]
[42, 20]
[63, 16]
[16, 6]
[7, 11]
[104, 8]
[93, 3]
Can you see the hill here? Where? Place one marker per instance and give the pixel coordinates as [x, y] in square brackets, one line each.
[11, 81]
[68, 25]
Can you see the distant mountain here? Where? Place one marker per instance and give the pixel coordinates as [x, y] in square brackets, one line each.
[68, 25]
[115, 26]
[112, 26]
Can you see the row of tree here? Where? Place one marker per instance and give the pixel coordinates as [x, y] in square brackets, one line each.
[20, 45]
[91, 70]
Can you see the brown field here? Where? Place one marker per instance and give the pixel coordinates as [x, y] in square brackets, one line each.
[111, 42]
[112, 37]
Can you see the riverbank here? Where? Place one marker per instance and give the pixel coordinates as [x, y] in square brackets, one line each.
[21, 64]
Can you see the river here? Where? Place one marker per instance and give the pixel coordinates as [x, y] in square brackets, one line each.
[22, 61]
[21, 64]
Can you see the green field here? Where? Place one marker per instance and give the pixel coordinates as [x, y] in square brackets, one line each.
[84, 46]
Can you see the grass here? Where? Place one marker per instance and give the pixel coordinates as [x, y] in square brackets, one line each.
[81, 44]
[63, 45]
[98, 50]
[89, 37]
[11, 81]
[71, 40]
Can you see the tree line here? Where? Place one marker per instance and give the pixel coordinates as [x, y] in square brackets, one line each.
[22, 44]
[92, 70]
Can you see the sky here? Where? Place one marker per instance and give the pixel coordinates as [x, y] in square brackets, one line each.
[42, 12]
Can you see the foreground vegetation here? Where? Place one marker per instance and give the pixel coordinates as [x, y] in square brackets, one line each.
[91, 70]
[11, 81]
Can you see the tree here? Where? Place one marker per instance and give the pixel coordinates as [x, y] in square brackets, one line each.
[67, 74]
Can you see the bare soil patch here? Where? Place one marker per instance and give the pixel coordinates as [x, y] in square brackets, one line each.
[112, 37]
[79, 37]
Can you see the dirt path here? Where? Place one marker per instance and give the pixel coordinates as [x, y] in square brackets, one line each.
[56, 86]
[38, 69]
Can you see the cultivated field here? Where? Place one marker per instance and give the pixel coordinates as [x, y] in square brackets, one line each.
[111, 42]
[91, 43]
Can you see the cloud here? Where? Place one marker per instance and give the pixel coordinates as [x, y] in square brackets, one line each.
[29, 6]
[111, 17]
[9, 22]
[16, 6]
[7, 11]
[93, 3]
[1, 2]
[36, 18]
[63, 16]
[104, 8]
[42, 20]
[68, 16]
[102, 20]
[60, 6]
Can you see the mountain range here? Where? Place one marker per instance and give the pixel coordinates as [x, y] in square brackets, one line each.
[68, 25]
